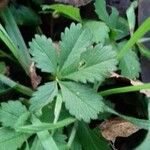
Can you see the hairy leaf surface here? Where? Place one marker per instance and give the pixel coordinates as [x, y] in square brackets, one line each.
[99, 30]
[11, 113]
[81, 101]
[92, 137]
[75, 40]
[129, 65]
[44, 53]
[44, 95]
[95, 65]
[11, 140]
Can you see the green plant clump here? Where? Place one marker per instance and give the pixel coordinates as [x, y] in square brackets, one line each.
[56, 116]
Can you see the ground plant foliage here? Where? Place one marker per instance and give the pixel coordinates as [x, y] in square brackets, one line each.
[69, 82]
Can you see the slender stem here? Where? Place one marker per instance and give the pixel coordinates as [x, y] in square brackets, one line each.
[18, 87]
[144, 40]
[4, 91]
[39, 30]
[3, 54]
[124, 89]
[142, 123]
[57, 110]
[144, 51]
[72, 135]
[23, 89]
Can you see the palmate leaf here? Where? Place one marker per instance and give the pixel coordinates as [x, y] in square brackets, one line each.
[95, 65]
[75, 40]
[44, 95]
[11, 140]
[81, 101]
[11, 113]
[44, 53]
[129, 65]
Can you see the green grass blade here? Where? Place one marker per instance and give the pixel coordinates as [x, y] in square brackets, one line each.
[16, 86]
[14, 39]
[45, 126]
[125, 89]
[145, 27]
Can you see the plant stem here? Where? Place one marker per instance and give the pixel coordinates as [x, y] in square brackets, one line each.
[18, 87]
[145, 27]
[3, 54]
[57, 110]
[125, 89]
[72, 135]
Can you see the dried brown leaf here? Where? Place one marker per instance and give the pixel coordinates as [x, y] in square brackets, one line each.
[117, 127]
[35, 79]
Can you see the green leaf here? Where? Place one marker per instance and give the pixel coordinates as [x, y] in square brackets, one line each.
[3, 68]
[3, 88]
[76, 144]
[39, 126]
[44, 53]
[129, 65]
[36, 145]
[145, 144]
[81, 101]
[60, 140]
[11, 112]
[44, 95]
[45, 137]
[69, 11]
[116, 23]
[24, 15]
[75, 40]
[16, 86]
[122, 28]
[99, 30]
[132, 16]
[144, 50]
[145, 27]
[91, 139]
[95, 65]
[113, 18]
[100, 9]
[14, 40]
[58, 107]
[11, 140]
[47, 140]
